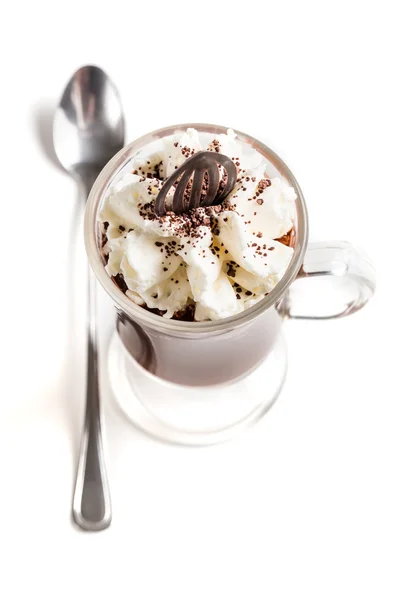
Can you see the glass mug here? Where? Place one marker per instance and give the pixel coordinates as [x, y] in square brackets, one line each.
[200, 383]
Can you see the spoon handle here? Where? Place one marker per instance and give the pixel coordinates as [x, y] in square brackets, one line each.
[91, 503]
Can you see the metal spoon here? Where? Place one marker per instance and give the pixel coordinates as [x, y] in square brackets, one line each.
[88, 130]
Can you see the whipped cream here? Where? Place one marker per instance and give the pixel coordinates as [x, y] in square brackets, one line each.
[221, 259]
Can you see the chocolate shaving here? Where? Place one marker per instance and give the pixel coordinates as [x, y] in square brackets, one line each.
[200, 174]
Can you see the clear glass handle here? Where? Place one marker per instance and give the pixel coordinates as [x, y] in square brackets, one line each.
[335, 280]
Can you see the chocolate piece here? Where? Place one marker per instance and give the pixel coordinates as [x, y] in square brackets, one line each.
[200, 173]
[155, 311]
[120, 281]
[185, 314]
[104, 234]
[288, 239]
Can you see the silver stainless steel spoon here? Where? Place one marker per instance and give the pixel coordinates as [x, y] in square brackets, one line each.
[88, 130]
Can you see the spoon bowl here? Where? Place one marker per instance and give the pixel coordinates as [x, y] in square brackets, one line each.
[89, 123]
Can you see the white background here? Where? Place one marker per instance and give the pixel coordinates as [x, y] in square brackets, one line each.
[306, 505]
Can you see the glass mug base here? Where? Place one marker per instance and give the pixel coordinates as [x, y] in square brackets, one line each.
[194, 415]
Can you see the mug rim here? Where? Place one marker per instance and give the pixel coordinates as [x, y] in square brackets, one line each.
[159, 323]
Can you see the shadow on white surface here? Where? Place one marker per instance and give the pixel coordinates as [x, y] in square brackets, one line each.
[43, 115]
[72, 371]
